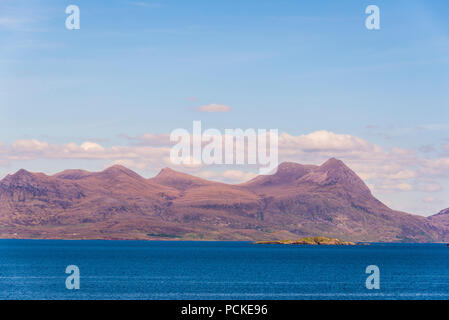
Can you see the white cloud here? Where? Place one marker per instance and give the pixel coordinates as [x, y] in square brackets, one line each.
[386, 171]
[436, 167]
[29, 145]
[370, 161]
[92, 146]
[34, 150]
[320, 141]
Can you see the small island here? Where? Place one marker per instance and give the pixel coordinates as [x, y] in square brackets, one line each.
[311, 241]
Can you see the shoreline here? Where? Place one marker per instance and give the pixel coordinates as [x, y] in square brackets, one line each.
[274, 242]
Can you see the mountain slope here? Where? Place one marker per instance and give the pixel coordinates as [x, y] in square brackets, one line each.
[332, 200]
[441, 217]
[37, 205]
[297, 201]
[178, 180]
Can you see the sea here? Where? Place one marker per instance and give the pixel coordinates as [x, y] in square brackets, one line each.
[202, 270]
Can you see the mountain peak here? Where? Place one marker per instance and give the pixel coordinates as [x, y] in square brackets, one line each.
[168, 171]
[292, 172]
[334, 163]
[290, 167]
[286, 173]
[335, 171]
[178, 180]
[76, 174]
[22, 176]
[119, 170]
[21, 173]
[335, 168]
[296, 200]
[118, 167]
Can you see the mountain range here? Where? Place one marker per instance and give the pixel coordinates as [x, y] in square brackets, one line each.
[297, 201]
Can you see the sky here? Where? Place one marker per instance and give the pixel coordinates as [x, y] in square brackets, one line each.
[112, 91]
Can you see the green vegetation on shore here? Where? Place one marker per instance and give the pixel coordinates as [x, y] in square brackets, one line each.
[311, 241]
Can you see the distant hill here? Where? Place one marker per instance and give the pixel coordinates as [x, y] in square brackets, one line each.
[297, 201]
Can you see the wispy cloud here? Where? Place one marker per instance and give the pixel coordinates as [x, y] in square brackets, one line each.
[430, 187]
[215, 108]
[14, 23]
[145, 4]
[385, 170]
[231, 176]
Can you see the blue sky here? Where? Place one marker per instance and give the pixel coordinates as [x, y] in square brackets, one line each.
[140, 67]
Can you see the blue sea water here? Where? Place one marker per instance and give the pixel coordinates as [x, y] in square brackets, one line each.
[35, 269]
